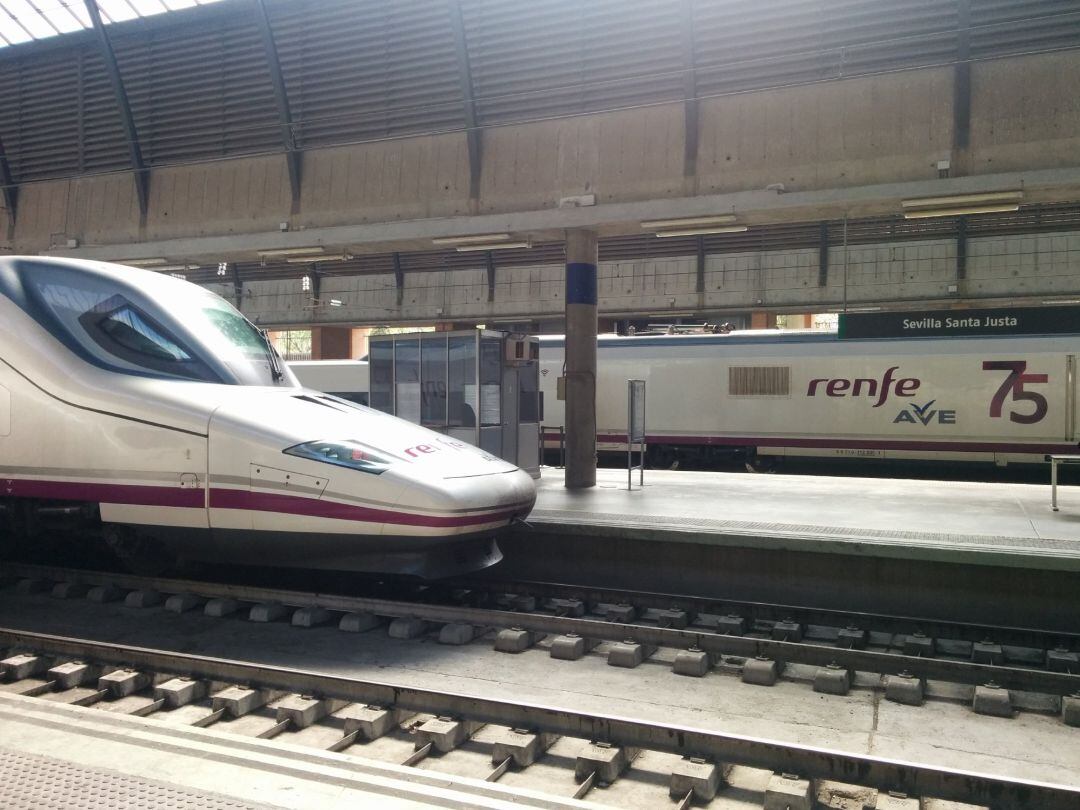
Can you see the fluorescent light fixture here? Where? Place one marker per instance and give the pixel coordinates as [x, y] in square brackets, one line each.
[143, 262]
[1063, 301]
[958, 205]
[689, 222]
[703, 231]
[170, 268]
[961, 212]
[297, 251]
[318, 257]
[336, 302]
[958, 200]
[480, 239]
[495, 246]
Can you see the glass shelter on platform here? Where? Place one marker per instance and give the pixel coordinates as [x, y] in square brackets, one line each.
[480, 386]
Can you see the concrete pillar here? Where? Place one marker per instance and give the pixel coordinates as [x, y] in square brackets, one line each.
[331, 343]
[581, 258]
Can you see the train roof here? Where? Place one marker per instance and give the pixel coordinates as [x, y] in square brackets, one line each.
[741, 336]
[765, 337]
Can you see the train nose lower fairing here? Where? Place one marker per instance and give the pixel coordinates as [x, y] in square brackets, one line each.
[312, 465]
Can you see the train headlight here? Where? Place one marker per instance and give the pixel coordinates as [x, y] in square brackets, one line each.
[351, 454]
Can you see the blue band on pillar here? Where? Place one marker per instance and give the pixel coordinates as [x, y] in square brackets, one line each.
[581, 283]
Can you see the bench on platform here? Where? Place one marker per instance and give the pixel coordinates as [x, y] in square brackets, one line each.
[1054, 462]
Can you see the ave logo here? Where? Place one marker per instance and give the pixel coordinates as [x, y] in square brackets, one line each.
[925, 414]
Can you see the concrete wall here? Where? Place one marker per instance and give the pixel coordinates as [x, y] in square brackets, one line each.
[840, 134]
[857, 132]
[1025, 113]
[1047, 264]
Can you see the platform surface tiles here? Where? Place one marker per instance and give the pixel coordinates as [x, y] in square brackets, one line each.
[942, 521]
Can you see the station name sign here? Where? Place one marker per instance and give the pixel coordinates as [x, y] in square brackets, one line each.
[1061, 320]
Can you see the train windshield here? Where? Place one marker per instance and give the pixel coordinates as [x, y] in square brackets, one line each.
[236, 341]
[162, 328]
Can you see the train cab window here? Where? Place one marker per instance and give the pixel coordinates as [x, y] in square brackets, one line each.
[127, 333]
[91, 316]
[236, 331]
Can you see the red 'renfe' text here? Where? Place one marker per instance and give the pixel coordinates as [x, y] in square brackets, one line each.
[866, 387]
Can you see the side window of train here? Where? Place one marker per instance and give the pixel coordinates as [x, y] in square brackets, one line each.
[123, 330]
[5, 411]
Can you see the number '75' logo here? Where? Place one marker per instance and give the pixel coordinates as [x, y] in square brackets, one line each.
[1014, 386]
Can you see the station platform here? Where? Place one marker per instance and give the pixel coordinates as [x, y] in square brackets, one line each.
[946, 521]
[950, 550]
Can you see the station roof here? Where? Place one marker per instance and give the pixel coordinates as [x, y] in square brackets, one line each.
[27, 20]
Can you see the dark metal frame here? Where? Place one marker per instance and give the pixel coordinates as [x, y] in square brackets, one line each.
[293, 155]
[138, 165]
[472, 130]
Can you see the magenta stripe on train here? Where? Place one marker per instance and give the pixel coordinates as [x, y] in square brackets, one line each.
[864, 444]
[141, 495]
[290, 504]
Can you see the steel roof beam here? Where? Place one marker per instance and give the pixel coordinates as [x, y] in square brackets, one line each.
[472, 130]
[8, 184]
[281, 97]
[142, 175]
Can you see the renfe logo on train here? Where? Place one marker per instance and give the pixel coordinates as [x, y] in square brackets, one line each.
[866, 386]
[1012, 389]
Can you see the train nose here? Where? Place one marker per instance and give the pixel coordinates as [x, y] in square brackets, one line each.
[512, 492]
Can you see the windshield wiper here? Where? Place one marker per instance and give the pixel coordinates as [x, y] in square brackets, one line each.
[275, 367]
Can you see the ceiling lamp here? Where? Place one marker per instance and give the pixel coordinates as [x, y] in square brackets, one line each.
[281, 253]
[318, 257]
[143, 262]
[704, 231]
[694, 226]
[493, 246]
[991, 202]
[478, 239]
[688, 222]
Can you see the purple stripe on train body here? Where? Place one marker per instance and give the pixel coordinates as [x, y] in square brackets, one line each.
[94, 492]
[869, 444]
[290, 504]
[142, 495]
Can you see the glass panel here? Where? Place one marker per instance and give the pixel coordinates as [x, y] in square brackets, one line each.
[381, 366]
[407, 379]
[461, 391]
[529, 393]
[131, 331]
[433, 372]
[490, 381]
[236, 330]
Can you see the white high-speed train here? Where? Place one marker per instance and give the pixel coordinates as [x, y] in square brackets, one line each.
[152, 409]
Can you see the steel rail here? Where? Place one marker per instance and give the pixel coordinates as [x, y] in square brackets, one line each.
[788, 652]
[830, 617]
[913, 779]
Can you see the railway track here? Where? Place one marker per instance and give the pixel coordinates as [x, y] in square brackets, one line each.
[762, 643]
[353, 714]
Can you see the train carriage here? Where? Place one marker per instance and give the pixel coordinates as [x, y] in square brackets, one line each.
[773, 394]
